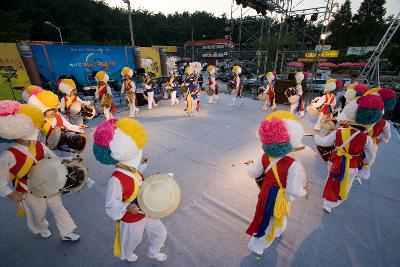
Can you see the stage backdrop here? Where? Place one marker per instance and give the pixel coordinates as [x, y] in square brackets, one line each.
[154, 54]
[12, 72]
[81, 61]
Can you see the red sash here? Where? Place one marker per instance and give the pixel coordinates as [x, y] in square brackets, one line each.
[283, 166]
[128, 86]
[20, 161]
[271, 93]
[377, 129]
[102, 91]
[69, 101]
[329, 98]
[128, 187]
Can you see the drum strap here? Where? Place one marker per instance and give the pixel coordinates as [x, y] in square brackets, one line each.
[281, 208]
[117, 241]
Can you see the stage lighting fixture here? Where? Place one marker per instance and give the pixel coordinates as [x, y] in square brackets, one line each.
[326, 35]
[314, 17]
[335, 7]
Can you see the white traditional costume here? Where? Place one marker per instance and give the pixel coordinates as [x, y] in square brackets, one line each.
[129, 88]
[270, 91]
[121, 142]
[326, 103]
[21, 122]
[103, 91]
[212, 85]
[284, 178]
[299, 105]
[237, 85]
[353, 148]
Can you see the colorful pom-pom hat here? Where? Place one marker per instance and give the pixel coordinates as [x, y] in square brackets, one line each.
[299, 76]
[270, 76]
[28, 90]
[280, 133]
[126, 71]
[237, 69]
[354, 91]
[119, 140]
[66, 86]
[43, 100]
[211, 69]
[102, 76]
[330, 86]
[19, 121]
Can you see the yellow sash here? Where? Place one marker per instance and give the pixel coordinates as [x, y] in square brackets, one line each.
[117, 241]
[344, 184]
[281, 208]
[47, 126]
[69, 101]
[23, 172]
[189, 100]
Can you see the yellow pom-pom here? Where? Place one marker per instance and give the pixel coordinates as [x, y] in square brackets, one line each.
[187, 69]
[126, 71]
[133, 129]
[34, 113]
[210, 68]
[100, 75]
[48, 99]
[69, 82]
[281, 114]
[372, 90]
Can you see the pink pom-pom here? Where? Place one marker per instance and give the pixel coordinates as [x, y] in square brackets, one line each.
[274, 73]
[361, 88]
[36, 91]
[104, 133]
[339, 84]
[370, 101]
[273, 131]
[8, 107]
[387, 93]
[305, 74]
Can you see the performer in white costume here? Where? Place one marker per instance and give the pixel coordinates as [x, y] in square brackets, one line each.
[325, 103]
[238, 86]
[270, 91]
[129, 88]
[120, 142]
[104, 95]
[299, 105]
[21, 123]
[212, 85]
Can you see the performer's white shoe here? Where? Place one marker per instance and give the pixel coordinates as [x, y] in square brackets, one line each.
[158, 256]
[70, 237]
[231, 104]
[327, 209]
[132, 258]
[257, 251]
[45, 234]
[137, 110]
[359, 180]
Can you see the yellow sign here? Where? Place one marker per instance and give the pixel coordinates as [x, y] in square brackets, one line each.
[152, 53]
[301, 59]
[12, 72]
[326, 53]
[168, 48]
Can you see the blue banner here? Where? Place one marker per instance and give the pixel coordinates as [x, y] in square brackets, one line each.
[81, 61]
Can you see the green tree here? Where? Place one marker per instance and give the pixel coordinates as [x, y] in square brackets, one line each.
[341, 27]
[369, 22]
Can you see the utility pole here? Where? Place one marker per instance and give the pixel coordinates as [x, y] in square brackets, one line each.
[192, 45]
[130, 21]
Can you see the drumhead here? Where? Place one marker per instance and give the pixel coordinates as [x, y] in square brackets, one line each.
[159, 196]
[75, 108]
[77, 175]
[54, 138]
[312, 111]
[47, 178]
[294, 99]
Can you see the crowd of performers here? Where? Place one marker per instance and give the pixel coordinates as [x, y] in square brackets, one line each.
[354, 133]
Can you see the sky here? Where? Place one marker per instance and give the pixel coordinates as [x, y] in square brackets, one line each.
[218, 7]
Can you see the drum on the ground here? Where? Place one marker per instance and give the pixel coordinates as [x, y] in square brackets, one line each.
[159, 196]
[49, 177]
[66, 140]
[312, 111]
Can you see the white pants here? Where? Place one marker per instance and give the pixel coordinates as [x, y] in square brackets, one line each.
[352, 174]
[261, 243]
[234, 99]
[174, 100]
[132, 235]
[318, 123]
[150, 100]
[132, 109]
[35, 212]
[107, 113]
[267, 105]
[293, 108]
[365, 172]
[211, 99]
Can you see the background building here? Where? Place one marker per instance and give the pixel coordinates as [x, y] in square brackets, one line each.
[210, 51]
